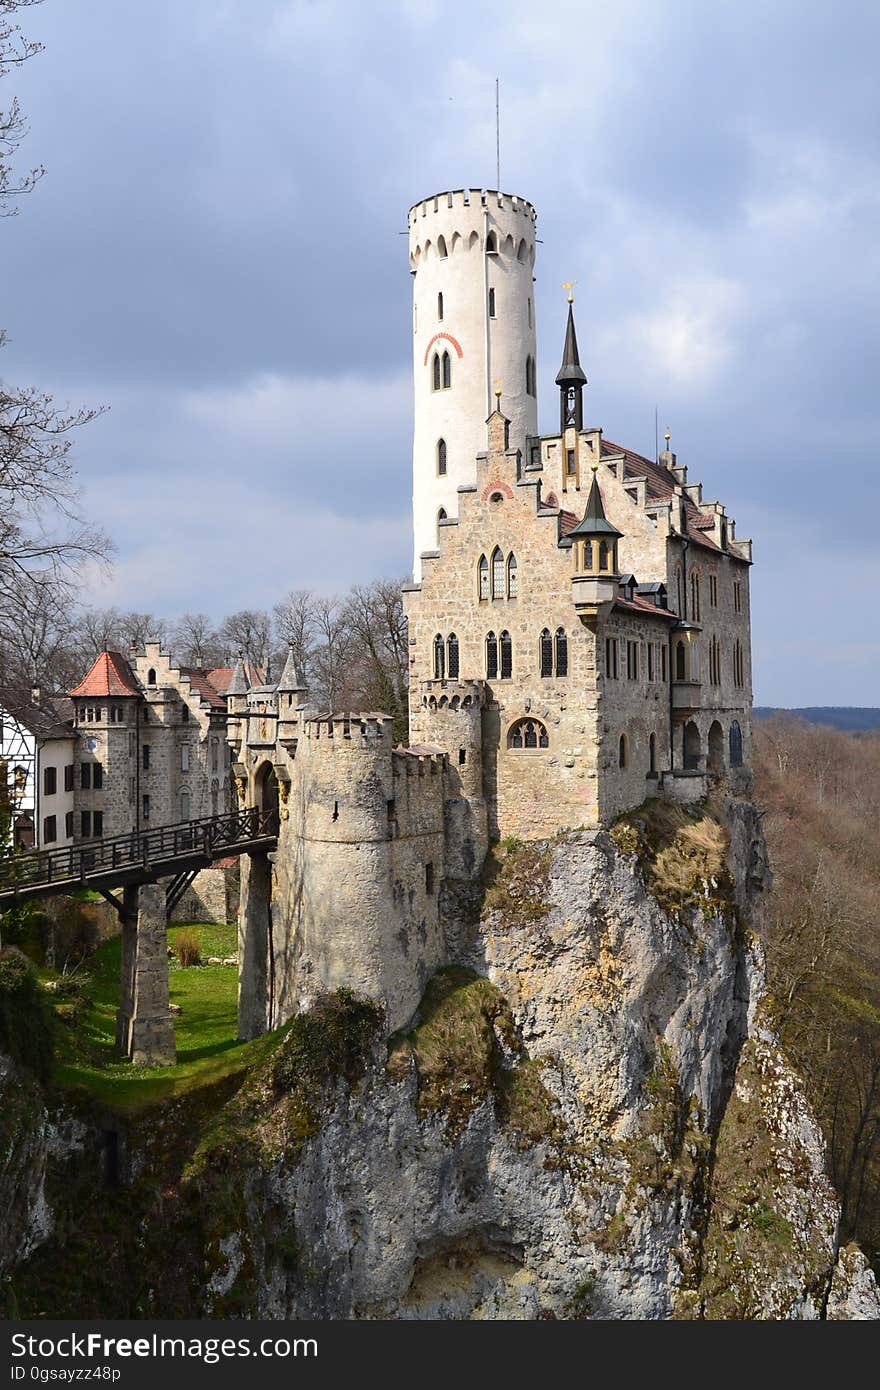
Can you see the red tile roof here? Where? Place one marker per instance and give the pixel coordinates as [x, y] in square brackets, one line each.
[201, 683]
[110, 675]
[220, 676]
[660, 480]
[643, 605]
[567, 522]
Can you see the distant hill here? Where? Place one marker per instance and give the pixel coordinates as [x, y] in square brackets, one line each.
[850, 719]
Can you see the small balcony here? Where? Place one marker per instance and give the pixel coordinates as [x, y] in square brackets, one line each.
[686, 696]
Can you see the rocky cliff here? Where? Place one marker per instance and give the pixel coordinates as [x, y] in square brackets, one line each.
[589, 1117]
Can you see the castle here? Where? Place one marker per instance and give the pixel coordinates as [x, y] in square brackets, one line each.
[578, 636]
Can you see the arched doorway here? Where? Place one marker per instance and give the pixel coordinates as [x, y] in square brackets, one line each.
[691, 750]
[716, 750]
[267, 798]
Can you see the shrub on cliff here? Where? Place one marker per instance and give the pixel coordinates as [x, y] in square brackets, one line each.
[26, 1024]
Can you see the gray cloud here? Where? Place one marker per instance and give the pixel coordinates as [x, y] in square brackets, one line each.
[215, 253]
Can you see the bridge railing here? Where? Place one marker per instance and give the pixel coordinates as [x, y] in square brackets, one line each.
[209, 837]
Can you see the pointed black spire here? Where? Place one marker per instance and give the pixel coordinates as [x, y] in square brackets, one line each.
[571, 378]
[595, 522]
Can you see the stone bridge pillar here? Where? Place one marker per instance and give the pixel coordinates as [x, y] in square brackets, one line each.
[144, 1028]
[255, 973]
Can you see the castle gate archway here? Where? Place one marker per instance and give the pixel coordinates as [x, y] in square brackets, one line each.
[691, 748]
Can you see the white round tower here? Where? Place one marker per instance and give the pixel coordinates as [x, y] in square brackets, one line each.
[472, 254]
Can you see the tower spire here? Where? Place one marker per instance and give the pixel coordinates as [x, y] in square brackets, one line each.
[571, 377]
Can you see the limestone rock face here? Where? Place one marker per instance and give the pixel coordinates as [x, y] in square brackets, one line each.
[588, 1117]
[661, 1161]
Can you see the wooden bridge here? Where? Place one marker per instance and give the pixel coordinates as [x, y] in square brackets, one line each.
[172, 852]
[150, 870]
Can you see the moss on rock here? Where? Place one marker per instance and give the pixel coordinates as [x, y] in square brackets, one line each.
[682, 857]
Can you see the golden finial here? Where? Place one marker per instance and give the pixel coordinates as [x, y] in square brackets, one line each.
[595, 465]
[497, 388]
[667, 436]
[569, 285]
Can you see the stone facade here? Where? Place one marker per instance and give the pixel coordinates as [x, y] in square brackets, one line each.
[578, 638]
[152, 747]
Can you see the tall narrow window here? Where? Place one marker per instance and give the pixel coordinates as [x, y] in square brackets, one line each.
[650, 661]
[506, 648]
[622, 752]
[736, 745]
[184, 757]
[678, 593]
[679, 661]
[184, 805]
[663, 662]
[737, 596]
[561, 642]
[98, 776]
[546, 650]
[530, 311]
[435, 371]
[569, 463]
[440, 306]
[603, 555]
[652, 753]
[491, 244]
[441, 516]
[439, 658]
[497, 573]
[441, 248]
[491, 304]
[695, 597]
[511, 576]
[483, 571]
[588, 555]
[441, 457]
[452, 656]
[491, 656]
[151, 677]
[447, 369]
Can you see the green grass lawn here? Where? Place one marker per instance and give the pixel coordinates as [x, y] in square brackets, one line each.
[205, 1031]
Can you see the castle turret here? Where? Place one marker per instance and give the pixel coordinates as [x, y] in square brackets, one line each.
[594, 543]
[472, 255]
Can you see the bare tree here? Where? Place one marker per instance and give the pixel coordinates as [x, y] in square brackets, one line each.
[43, 537]
[14, 50]
[195, 640]
[378, 649]
[138, 628]
[295, 626]
[332, 651]
[248, 634]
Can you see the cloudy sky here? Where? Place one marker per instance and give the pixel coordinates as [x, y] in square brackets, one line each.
[215, 253]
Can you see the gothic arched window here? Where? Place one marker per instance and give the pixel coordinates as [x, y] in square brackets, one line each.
[546, 646]
[603, 555]
[695, 597]
[506, 650]
[441, 248]
[491, 656]
[527, 733]
[511, 576]
[736, 745]
[679, 661]
[439, 658]
[151, 677]
[447, 369]
[497, 573]
[491, 244]
[435, 372]
[441, 516]
[441, 457]
[588, 555]
[452, 656]
[483, 573]
[561, 642]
